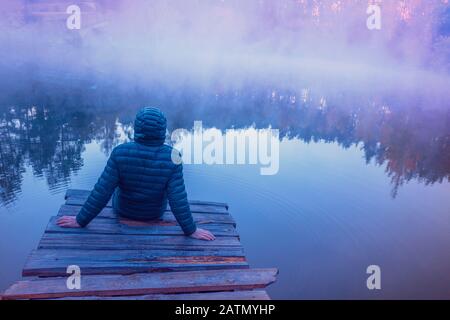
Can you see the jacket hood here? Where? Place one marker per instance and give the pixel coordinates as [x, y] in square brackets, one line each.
[150, 126]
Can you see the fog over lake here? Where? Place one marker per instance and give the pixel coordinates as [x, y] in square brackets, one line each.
[363, 119]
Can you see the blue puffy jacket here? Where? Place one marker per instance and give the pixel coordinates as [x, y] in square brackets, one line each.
[142, 177]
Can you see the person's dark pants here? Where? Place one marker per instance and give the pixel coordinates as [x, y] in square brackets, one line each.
[115, 204]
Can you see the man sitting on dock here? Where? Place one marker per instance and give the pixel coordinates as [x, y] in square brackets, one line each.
[141, 176]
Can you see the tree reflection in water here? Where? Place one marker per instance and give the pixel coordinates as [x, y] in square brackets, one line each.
[412, 140]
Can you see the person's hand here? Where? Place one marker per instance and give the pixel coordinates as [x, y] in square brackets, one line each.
[203, 234]
[68, 222]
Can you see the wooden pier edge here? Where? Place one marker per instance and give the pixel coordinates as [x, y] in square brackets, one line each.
[131, 260]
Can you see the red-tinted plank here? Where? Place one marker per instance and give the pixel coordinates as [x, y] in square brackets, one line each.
[50, 262]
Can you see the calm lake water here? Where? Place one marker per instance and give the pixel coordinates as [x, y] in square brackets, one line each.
[362, 179]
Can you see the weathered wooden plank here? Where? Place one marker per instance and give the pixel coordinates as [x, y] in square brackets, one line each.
[142, 284]
[49, 262]
[114, 226]
[79, 193]
[127, 242]
[167, 218]
[221, 295]
[75, 201]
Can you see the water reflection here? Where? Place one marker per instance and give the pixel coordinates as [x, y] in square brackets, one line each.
[412, 140]
[49, 141]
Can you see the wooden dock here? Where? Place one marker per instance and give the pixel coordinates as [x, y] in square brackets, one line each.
[125, 259]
